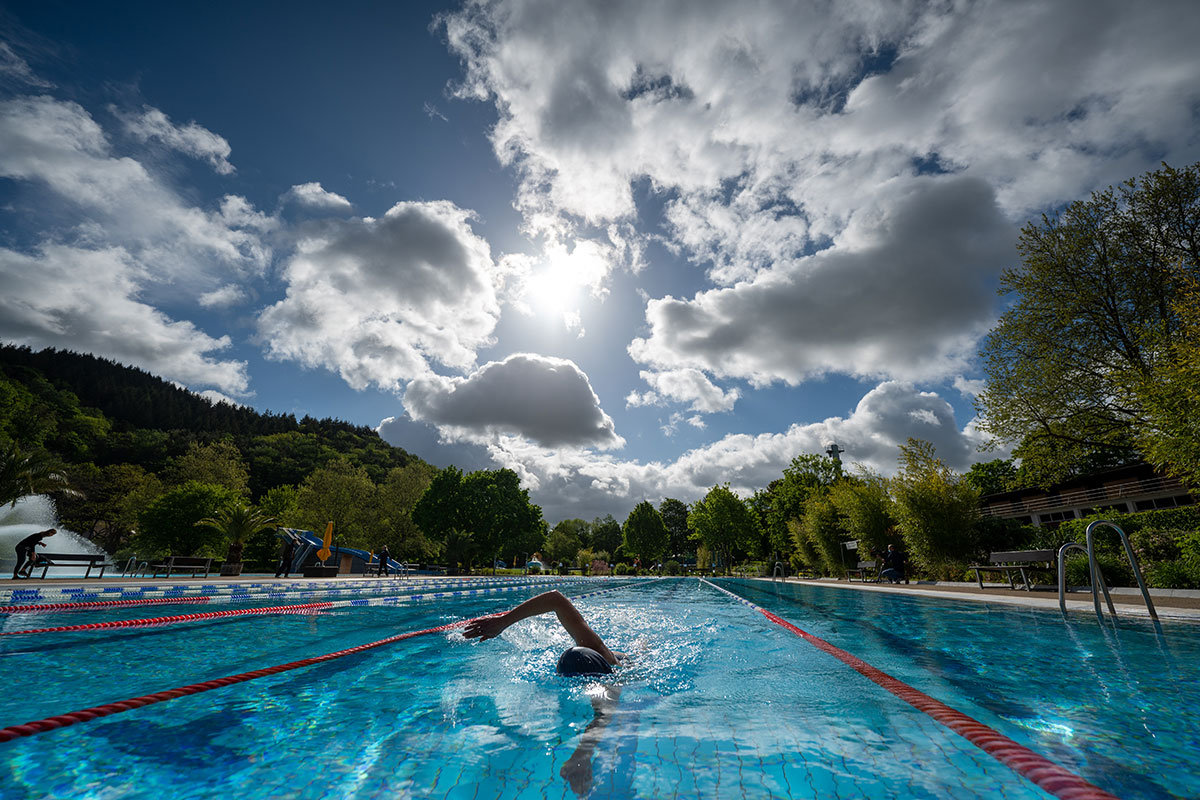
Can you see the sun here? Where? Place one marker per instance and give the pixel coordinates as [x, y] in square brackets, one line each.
[555, 288]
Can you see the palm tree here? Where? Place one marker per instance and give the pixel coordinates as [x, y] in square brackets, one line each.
[238, 523]
[23, 474]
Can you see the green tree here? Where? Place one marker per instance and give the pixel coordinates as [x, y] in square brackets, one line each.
[168, 523]
[722, 522]
[1095, 314]
[993, 477]
[105, 507]
[262, 551]
[936, 511]
[442, 507]
[398, 495]
[237, 523]
[865, 508]
[606, 534]
[23, 474]
[219, 463]
[783, 505]
[644, 533]
[562, 544]
[822, 526]
[1170, 437]
[344, 493]
[501, 516]
[581, 529]
[674, 516]
[489, 507]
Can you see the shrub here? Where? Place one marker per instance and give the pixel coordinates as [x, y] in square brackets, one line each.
[1115, 570]
[672, 567]
[622, 569]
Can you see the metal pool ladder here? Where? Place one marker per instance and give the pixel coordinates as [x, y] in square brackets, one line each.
[1097, 577]
[779, 571]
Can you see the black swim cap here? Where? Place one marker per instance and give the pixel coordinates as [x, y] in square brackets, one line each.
[583, 661]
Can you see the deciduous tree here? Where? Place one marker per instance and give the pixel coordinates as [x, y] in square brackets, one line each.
[723, 522]
[168, 523]
[644, 533]
[1095, 315]
[674, 516]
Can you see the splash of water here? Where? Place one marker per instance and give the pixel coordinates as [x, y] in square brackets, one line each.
[30, 515]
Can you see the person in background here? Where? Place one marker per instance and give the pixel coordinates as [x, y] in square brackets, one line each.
[384, 555]
[893, 565]
[287, 553]
[25, 552]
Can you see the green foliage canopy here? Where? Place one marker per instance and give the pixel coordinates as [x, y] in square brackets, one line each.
[674, 515]
[936, 510]
[168, 523]
[1094, 315]
[723, 522]
[644, 533]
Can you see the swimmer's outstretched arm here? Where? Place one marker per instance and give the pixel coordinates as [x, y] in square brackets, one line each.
[488, 627]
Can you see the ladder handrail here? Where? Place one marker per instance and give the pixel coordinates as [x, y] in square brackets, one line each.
[1137, 572]
[1097, 578]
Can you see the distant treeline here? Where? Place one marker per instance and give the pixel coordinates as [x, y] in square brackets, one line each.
[88, 409]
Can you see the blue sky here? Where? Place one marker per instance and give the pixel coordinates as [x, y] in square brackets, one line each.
[629, 249]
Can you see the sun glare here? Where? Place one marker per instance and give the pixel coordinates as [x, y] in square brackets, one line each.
[554, 289]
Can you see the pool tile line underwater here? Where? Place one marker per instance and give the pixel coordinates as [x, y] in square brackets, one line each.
[1043, 772]
[74, 717]
[302, 608]
[81, 593]
[104, 605]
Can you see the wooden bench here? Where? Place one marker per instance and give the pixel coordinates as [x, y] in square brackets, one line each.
[1020, 562]
[864, 570]
[192, 564]
[93, 560]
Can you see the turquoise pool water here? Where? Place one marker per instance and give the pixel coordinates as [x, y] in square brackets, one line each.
[715, 702]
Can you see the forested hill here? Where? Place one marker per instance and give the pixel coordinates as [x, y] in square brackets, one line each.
[85, 408]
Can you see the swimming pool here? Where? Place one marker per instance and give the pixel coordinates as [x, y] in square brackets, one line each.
[716, 701]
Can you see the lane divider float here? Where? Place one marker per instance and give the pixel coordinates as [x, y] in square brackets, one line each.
[86, 715]
[300, 608]
[172, 595]
[1043, 772]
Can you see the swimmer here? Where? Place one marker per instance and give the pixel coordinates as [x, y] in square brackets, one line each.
[589, 656]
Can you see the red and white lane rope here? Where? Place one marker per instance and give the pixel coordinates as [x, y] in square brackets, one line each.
[65, 720]
[269, 594]
[298, 608]
[1043, 772]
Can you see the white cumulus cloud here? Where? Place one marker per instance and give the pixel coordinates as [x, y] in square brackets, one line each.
[313, 195]
[546, 400]
[379, 300]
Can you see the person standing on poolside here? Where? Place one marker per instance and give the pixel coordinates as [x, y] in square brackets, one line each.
[589, 656]
[286, 556]
[384, 555]
[25, 552]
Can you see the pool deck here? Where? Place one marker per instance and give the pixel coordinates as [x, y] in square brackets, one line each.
[1170, 603]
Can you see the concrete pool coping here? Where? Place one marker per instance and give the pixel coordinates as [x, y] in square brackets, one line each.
[1169, 603]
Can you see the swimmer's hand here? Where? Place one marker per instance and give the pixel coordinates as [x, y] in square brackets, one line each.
[485, 628]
